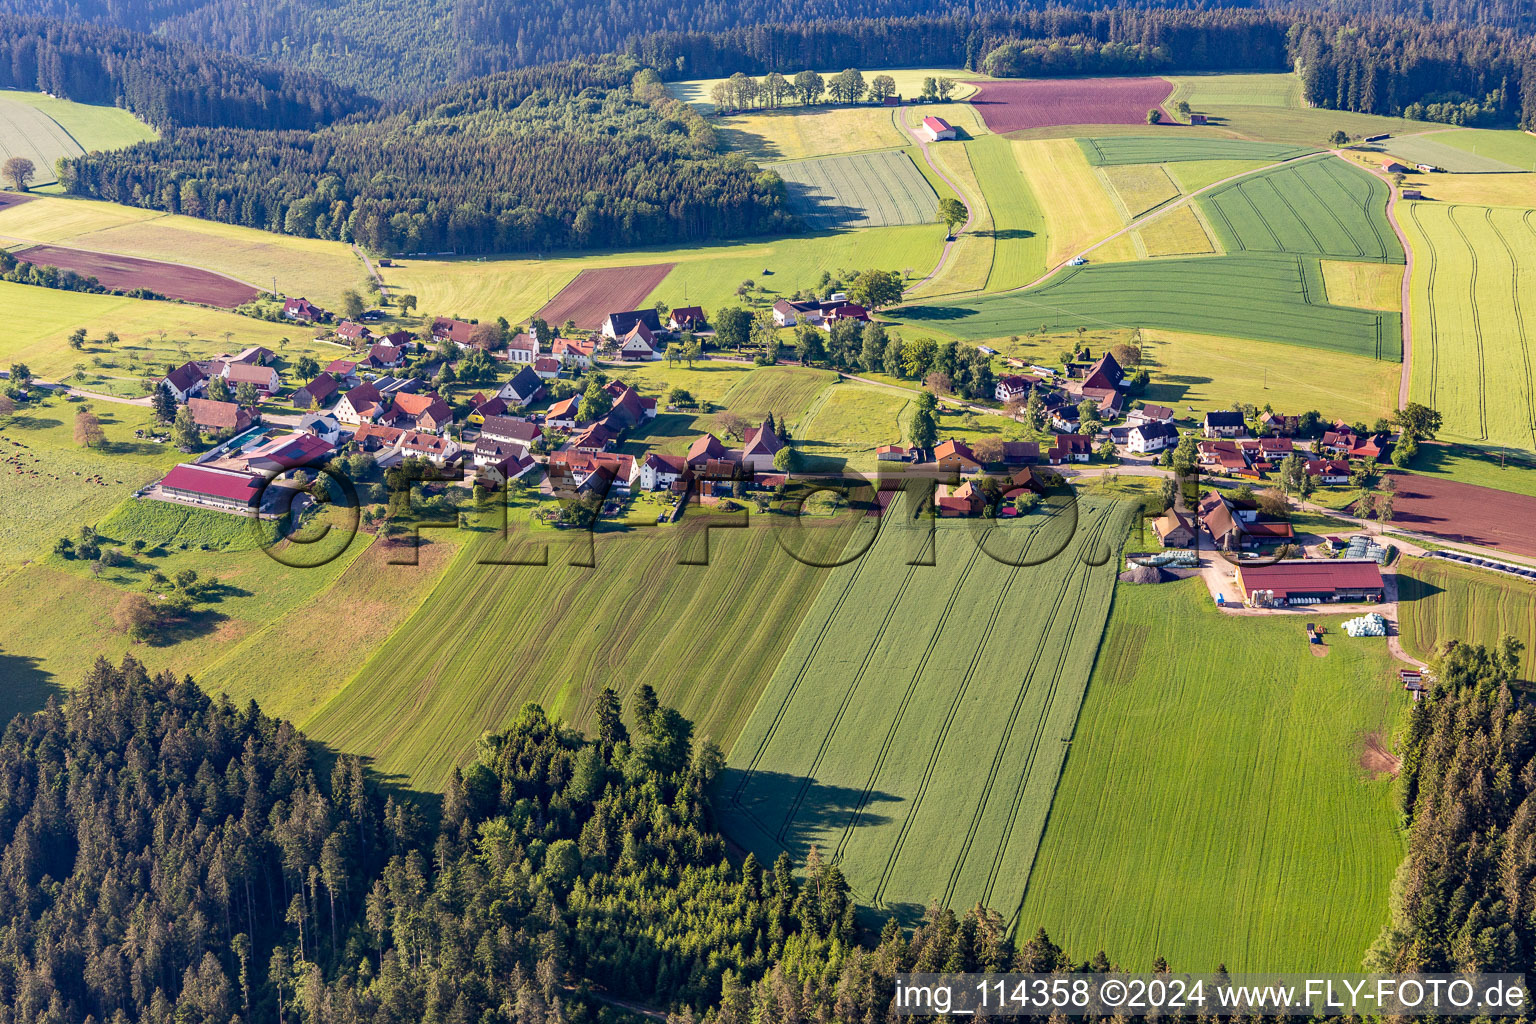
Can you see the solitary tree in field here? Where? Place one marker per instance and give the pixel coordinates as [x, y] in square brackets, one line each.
[20, 172]
[1182, 109]
[407, 303]
[1154, 116]
[946, 89]
[88, 432]
[1338, 138]
[952, 211]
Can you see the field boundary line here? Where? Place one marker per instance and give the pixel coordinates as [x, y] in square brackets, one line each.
[1394, 195]
[1514, 291]
[1050, 702]
[970, 211]
[901, 711]
[1026, 685]
[1477, 323]
[915, 805]
[858, 677]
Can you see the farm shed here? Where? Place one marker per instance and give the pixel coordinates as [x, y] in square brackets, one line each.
[1310, 582]
[222, 489]
[937, 128]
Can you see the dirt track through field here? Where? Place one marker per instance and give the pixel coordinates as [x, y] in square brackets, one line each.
[594, 294]
[126, 273]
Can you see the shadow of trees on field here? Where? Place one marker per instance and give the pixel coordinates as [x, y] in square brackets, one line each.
[24, 685]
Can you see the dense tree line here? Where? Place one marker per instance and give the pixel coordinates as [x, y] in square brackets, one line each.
[165, 856]
[1465, 895]
[395, 47]
[576, 155]
[1391, 67]
[162, 81]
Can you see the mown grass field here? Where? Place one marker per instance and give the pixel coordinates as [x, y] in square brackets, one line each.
[255, 592]
[1078, 211]
[1304, 126]
[1213, 808]
[1193, 175]
[1178, 232]
[1214, 91]
[491, 637]
[785, 391]
[1182, 147]
[1363, 285]
[798, 133]
[151, 334]
[53, 486]
[1511, 147]
[92, 126]
[1320, 207]
[1018, 224]
[1474, 319]
[866, 190]
[29, 133]
[845, 424]
[1434, 148]
[312, 267]
[1439, 600]
[1263, 297]
[1138, 187]
[914, 730]
[706, 275]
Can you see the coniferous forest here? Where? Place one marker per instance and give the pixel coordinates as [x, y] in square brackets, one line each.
[170, 857]
[569, 156]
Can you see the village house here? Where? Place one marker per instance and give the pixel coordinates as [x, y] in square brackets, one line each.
[223, 489]
[1146, 438]
[1224, 423]
[787, 313]
[523, 389]
[833, 312]
[186, 380]
[363, 404]
[572, 472]
[422, 412]
[577, 352]
[891, 453]
[660, 472]
[964, 500]
[482, 408]
[620, 325]
[304, 311]
[1329, 472]
[562, 414]
[955, 457]
[935, 129]
[353, 333]
[434, 448]
[1020, 453]
[759, 446]
[1149, 414]
[523, 348]
[220, 417]
[445, 329]
[264, 377]
[400, 339]
[705, 448]
[1235, 524]
[503, 472]
[323, 425]
[488, 452]
[344, 370]
[319, 392]
[547, 367]
[1174, 529]
[687, 318]
[595, 438]
[1012, 386]
[640, 344]
[1070, 448]
[509, 430]
[1221, 456]
[384, 357]
[1280, 425]
[376, 437]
